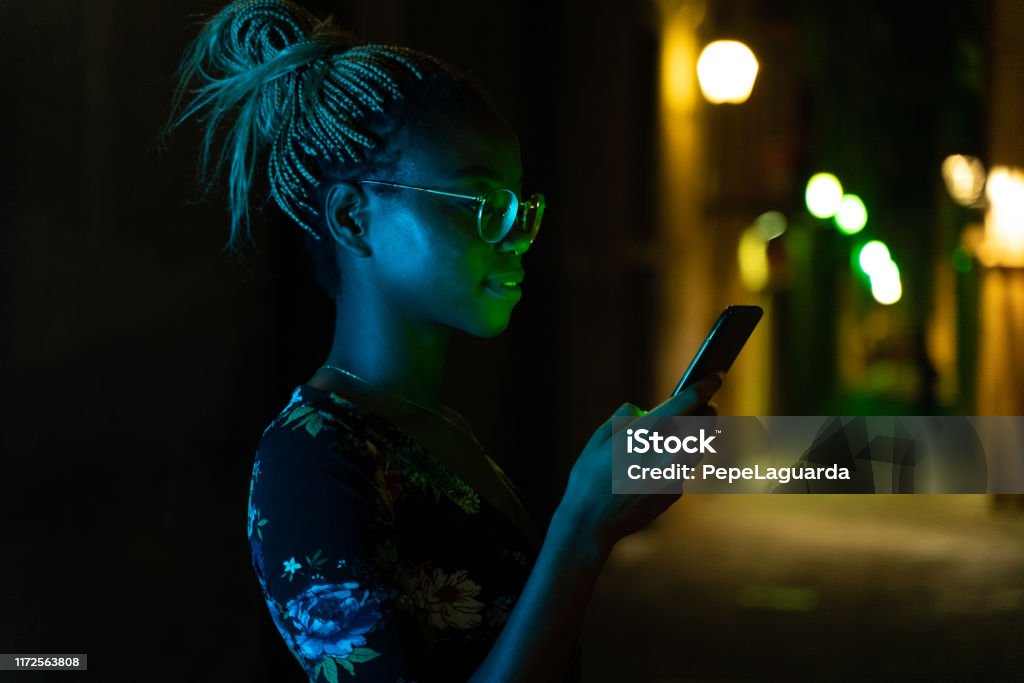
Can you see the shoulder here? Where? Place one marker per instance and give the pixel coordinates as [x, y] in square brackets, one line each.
[322, 423]
[311, 410]
[320, 441]
[318, 448]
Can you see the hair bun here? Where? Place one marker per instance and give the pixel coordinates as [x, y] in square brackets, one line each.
[278, 81]
[254, 32]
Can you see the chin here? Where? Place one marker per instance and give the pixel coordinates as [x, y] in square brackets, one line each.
[490, 323]
[488, 329]
[489, 316]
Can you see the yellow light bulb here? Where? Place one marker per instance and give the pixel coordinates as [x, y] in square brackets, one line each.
[726, 71]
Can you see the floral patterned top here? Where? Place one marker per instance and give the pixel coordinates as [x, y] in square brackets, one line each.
[373, 557]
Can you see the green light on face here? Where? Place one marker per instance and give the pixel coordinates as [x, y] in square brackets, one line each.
[962, 261]
[852, 215]
[823, 195]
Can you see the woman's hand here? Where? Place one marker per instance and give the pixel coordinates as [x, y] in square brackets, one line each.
[590, 507]
[547, 617]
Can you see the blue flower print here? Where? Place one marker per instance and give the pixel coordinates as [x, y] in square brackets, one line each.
[290, 567]
[330, 620]
[255, 522]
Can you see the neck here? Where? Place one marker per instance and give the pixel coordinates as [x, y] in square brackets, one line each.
[391, 353]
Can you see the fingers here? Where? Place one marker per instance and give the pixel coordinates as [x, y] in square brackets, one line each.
[694, 400]
[691, 399]
[709, 410]
[604, 432]
[629, 410]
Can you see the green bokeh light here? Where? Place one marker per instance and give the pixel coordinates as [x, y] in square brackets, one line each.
[823, 195]
[873, 256]
[852, 215]
[962, 261]
[885, 283]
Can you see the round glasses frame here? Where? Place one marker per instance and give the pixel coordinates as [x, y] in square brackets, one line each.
[535, 203]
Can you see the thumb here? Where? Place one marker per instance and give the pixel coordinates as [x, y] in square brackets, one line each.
[604, 432]
[628, 410]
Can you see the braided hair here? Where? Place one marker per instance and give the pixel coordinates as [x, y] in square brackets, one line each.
[307, 95]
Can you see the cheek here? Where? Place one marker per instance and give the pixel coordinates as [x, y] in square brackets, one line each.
[431, 262]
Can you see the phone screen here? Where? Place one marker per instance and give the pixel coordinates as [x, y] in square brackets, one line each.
[722, 344]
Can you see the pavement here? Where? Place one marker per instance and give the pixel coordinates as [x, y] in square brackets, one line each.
[815, 587]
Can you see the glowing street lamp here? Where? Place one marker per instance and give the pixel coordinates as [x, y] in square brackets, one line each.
[726, 71]
[1004, 221]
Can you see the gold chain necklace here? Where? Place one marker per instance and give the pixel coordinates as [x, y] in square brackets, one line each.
[343, 371]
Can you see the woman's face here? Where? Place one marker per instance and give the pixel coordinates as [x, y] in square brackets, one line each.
[430, 263]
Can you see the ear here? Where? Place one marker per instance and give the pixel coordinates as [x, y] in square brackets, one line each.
[346, 216]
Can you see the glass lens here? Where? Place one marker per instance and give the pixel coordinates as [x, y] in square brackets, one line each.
[534, 214]
[497, 214]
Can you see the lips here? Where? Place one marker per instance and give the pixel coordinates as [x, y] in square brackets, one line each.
[510, 278]
[505, 283]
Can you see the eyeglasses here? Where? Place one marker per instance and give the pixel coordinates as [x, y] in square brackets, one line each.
[499, 210]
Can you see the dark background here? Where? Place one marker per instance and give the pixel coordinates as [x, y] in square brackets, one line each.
[140, 362]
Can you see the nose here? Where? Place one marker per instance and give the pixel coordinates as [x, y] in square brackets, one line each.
[516, 241]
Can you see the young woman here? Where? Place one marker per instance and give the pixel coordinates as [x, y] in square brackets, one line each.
[384, 539]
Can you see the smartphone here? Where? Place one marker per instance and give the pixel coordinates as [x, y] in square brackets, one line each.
[722, 344]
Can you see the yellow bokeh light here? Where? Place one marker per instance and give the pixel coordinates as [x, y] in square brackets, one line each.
[964, 177]
[726, 71]
[1004, 222]
[753, 258]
